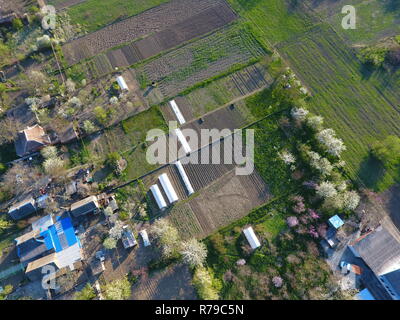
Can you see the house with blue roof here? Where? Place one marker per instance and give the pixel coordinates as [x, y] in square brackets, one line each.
[52, 241]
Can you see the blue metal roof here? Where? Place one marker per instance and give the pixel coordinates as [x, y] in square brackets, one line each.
[365, 295]
[336, 222]
[60, 235]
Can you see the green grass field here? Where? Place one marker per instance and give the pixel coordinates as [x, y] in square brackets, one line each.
[127, 138]
[270, 21]
[361, 108]
[95, 14]
[374, 19]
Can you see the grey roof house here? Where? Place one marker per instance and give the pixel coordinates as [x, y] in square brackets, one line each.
[381, 253]
[85, 206]
[22, 209]
[31, 140]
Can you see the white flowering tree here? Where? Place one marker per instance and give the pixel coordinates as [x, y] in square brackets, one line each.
[315, 122]
[320, 163]
[54, 166]
[326, 190]
[333, 145]
[116, 231]
[351, 199]
[299, 114]
[193, 252]
[167, 237]
[287, 157]
[49, 152]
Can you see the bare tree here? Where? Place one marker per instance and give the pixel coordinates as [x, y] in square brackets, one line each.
[9, 128]
[20, 177]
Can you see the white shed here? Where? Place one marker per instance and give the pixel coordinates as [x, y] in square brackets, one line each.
[168, 188]
[184, 177]
[182, 140]
[251, 238]
[177, 112]
[155, 190]
[145, 238]
[122, 84]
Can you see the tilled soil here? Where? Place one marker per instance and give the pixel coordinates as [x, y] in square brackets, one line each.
[149, 22]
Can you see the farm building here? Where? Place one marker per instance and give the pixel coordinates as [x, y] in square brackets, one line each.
[336, 222]
[184, 177]
[177, 112]
[22, 209]
[168, 188]
[381, 253]
[182, 140]
[128, 239]
[31, 140]
[145, 238]
[50, 243]
[155, 190]
[251, 238]
[122, 84]
[85, 206]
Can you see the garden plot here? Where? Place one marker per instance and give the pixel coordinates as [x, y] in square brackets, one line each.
[172, 283]
[228, 199]
[197, 25]
[201, 60]
[153, 20]
[230, 89]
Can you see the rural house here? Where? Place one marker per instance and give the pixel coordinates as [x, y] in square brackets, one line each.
[85, 206]
[381, 253]
[22, 209]
[31, 140]
[51, 242]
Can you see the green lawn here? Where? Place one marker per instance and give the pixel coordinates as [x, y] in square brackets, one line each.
[361, 107]
[128, 139]
[95, 14]
[270, 21]
[374, 19]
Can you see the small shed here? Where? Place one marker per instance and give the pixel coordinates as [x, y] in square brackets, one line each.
[251, 238]
[145, 238]
[22, 209]
[122, 84]
[336, 222]
[128, 239]
[85, 206]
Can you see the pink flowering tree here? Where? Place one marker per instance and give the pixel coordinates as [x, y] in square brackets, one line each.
[313, 214]
[277, 281]
[292, 221]
[313, 232]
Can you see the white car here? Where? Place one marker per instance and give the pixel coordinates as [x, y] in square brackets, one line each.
[145, 238]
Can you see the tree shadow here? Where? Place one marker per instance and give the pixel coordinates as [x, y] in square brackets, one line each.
[391, 6]
[371, 172]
